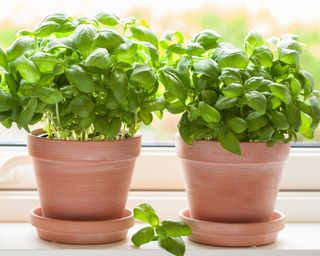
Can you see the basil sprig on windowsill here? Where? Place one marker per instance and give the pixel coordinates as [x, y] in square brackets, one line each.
[168, 233]
[86, 79]
[230, 95]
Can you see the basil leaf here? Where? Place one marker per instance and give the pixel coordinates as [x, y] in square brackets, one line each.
[237, 124]
[209, 113]
[233, 90]
[19, 47]
[143, 236]
[225, 103]
[99, 58]
[119, 84]
[108, 39]
[143, 75]
[293, 115]
[279, 120]
[27, 113]
[49, 95]
[126, 52]
[288, 56]
[46, 28]
[195, 49]
[262, 56]
[252, 41]
[82, 105]
[208, 68]
[57, 43]
[229, 141]
[305, 128]
[107, 19]
[3, 59]
[281, 91]
[255, 121]
[207, 39]
[45, 62]
[28, 70]
[229, 56]
[315, 110]
[230, 75]
[83, 38]
[6, 101]
[146, 213]
[256, 101]
[80, 79]
[144, 34]
[174, 228]
[174, 245]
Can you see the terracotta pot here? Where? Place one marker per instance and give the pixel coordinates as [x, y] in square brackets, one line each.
[83, 180]
[225, 187]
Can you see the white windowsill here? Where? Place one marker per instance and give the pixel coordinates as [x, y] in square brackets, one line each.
[21, 239]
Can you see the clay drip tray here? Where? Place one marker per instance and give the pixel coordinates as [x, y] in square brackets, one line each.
[234, 234]
[81, 232]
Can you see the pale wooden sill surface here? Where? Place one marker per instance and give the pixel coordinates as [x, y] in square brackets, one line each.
[297, 239]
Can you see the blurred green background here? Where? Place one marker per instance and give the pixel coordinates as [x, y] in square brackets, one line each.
[232, 19]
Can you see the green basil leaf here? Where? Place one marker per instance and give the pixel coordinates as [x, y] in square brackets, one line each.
[3, 59]
[256, 101]
[45, 62]
[225, 103]
[208, 68]
[63, 42]
[315, 110]
[230, 75]
[174, 245]
[126, 52]
[209, 96]
[176, 228]
[19, 47]
[279, 120]
[207, 39]
[252, 41]
[11, 82]
[175, 107]
[108, 39]
[28, 70]
[255, 121]
[119, 84]
[107, 19]
[209, 113]
[114, 128]
[288, 56]
[82, 105]
[305, 128]
[49, 95]
[144, 34]
[274, 102]
[80, 79]
[295, 87]
[229, 56]
[6, 101]
[195, 49]
[27, 113]
[154, 105]
[99, 58]
[293, 115]
[143, 236]
[237, 124]
[229, 141]
[101, 125]
[46, 28]
[172, 83]
[143, 75]
[83, 38]
[262, 56]
[146, 117]
[233, 90]
[146, 213]
[281, 91]
[265, 134]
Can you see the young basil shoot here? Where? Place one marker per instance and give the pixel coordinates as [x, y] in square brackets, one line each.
[168, 233]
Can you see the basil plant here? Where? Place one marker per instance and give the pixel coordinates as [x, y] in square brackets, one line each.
[86, 79]
[231, 95]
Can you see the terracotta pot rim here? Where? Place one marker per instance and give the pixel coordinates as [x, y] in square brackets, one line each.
[35, 135]
[217, 142]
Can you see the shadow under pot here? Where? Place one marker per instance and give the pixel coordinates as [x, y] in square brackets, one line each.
[83, 180]
[229, 188]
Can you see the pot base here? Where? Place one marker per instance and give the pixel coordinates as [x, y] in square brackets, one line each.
[234, 234]
[81, 232]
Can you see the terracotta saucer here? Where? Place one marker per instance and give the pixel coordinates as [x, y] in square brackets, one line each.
[234, 234]
[81, 232]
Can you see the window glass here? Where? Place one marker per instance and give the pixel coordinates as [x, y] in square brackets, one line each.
[232, 19]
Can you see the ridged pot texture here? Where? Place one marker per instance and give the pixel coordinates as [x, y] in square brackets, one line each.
[83, 180]
[225, 187]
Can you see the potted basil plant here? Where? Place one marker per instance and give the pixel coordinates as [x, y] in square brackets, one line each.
[240, 110]
[91, 87]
